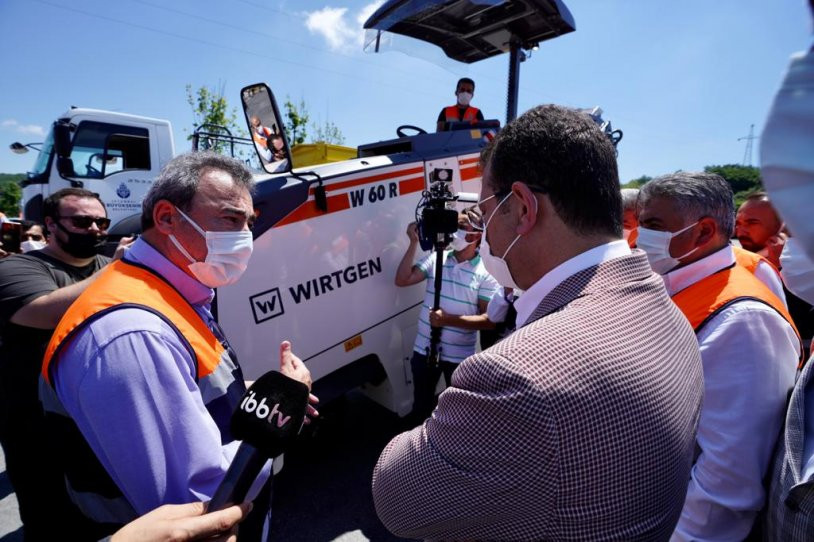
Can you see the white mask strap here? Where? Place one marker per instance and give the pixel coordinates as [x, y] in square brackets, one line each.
[682, 230]
[181, 249]
[192, 222]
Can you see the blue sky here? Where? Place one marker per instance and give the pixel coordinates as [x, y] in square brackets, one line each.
[683, 80]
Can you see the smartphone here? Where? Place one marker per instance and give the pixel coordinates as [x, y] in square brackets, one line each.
[10, 236]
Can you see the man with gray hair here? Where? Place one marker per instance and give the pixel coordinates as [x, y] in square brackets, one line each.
[749, 349]
[630, 215]
[138, 382]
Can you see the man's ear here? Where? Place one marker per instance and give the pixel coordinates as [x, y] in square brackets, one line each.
[527, 205]
[707, 231]
[164, 217]
[51, 226]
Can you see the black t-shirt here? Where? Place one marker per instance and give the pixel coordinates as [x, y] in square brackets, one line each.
[442, 116]
[23, 278]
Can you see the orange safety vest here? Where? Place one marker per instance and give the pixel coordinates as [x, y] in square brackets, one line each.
[220, 381]
[750, 260]
[701, 301]
[125, 284]
[260, 140]
[451, 113]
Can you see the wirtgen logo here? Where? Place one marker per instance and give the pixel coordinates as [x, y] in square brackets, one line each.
[267, 305]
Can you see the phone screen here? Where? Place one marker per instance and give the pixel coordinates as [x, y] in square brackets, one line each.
[10, 236]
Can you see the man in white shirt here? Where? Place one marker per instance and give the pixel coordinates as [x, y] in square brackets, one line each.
[466, 289]
[581, 424]
[749, 348]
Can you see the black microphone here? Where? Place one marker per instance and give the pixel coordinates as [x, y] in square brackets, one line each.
[268, 417]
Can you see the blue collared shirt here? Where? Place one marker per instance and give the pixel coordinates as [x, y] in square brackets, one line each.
[128, 382]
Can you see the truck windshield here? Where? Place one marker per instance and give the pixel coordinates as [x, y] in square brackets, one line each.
[44, 156]
[101, 149]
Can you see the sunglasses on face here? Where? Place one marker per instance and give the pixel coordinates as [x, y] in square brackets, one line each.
[84, 222]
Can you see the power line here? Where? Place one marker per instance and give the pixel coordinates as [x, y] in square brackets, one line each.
[354, 77]
[747, 154]
[245, 30]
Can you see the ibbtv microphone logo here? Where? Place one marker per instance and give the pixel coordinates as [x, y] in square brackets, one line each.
[262, 410]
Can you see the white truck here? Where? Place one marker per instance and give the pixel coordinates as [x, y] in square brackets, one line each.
[328, 239]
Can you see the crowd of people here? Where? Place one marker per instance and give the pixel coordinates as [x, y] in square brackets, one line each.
[645, 377]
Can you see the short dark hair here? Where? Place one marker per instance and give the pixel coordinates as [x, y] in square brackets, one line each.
[696, 195]
[178, 181]
[464, 80]
[50, 207]
[760, 195]
[561, 152]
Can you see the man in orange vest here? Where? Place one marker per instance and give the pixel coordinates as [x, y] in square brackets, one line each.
[630, 215]
[758, 228]
[749, 349]
[138, 381]
[461, 111]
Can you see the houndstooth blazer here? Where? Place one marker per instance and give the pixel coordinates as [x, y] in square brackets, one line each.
[790, 506]
[579, 426]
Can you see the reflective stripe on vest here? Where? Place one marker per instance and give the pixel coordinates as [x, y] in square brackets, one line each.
[220, 381]
[701, 301]
[451, 113]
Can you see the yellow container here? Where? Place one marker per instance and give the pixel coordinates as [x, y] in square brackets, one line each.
[311, 154]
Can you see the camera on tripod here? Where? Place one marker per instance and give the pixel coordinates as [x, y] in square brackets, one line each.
[436, 216]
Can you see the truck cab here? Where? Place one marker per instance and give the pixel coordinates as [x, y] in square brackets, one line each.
[113, 154]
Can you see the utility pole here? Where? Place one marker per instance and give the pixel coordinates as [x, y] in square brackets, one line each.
[747, 155]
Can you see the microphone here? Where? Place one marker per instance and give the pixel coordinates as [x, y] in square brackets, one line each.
[269, 416]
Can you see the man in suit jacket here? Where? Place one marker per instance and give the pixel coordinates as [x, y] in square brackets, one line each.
[580, 425]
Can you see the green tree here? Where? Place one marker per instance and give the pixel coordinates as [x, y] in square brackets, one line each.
[328, 133]
[209, 106]
[296, 121]
[637, 182]
[744, 180]
[740, 178]
[11, 193]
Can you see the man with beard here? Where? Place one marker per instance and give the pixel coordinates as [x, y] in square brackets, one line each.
[36, 289]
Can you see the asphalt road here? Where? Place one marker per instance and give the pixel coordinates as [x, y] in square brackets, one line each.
[323, 491]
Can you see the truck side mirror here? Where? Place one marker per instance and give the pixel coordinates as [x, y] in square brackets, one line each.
[62, 146]
[62, 139]
[263, 119]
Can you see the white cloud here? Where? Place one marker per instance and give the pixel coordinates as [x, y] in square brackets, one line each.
[342, 33]
[27, 129]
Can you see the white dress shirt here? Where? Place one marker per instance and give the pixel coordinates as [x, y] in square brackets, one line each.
[749, 353]
[771, 278]
[532, 297]
[498, 307]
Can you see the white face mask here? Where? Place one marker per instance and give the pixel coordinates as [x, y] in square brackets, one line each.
[28, 246]
[797, 270]
[459, 241]
[227, 255]
[497, 267]
[656, 245]
[786, 156]
[464, 98]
